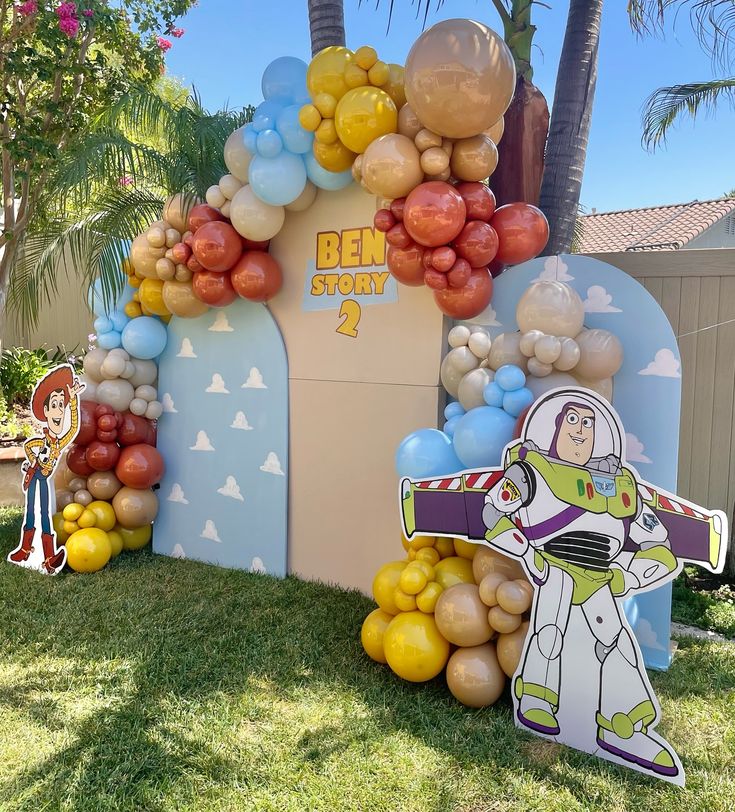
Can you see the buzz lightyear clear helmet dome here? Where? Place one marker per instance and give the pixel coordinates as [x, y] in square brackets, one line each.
[544, 418]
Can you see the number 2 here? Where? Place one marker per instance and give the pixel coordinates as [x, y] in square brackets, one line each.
[350, 313]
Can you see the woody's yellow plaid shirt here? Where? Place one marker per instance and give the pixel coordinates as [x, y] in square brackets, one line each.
[45, 451]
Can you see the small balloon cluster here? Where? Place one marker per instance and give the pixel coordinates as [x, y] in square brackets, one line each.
[448, 592]
[448, 237]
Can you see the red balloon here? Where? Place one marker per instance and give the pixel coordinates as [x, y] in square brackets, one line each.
[523, 231]
[257, 276]
[459, 275]
[103, 408]
[201, 214]
[107, 436]
[215, 289]
[406, 264]
[253, 245]
[477, 243]
[436, 280]
[181, 253]
[151, 435]
[443, 258]
[427, 259]
[384, 220]
[102, 456]
[107, 422]
[87, 423]
[134, 429]
[217, 246]
[193, 264]
[76, 459]
[140, 466]
[469, 301]
[434, 213]
[519, 423]
[396, 208]
[478, 198]
[398, 236]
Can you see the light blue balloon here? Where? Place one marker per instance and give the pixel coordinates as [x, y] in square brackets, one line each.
[426, 453]
[269, 144]
[266, 114]
[493, 394]
[284, 79]
[510, 377]
[109, 340]
[451, 425]
[516, 401]
[295, 137]
[319, 176]
[250, 139]
[119, 320]
[481, 435]
[277, 181]
[96, 296]
[144, 337]
[102, 325]
[454, 409]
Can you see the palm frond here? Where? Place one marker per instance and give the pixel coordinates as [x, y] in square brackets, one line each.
[667, 104]
[421, 6]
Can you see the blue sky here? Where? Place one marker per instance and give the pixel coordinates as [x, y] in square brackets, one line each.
[228, 43]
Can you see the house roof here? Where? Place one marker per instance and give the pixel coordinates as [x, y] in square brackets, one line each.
[661, 228]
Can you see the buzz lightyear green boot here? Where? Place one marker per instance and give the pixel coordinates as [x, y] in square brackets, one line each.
[537, 707]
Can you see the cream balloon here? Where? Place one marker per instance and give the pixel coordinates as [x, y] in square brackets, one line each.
[547, 349]
[176, 210]
[254, 219]
[506, 350]
[538, 368]
[117, 393]
[138, 406]
[237, 155]
[463, 359]
[480, 344]
[225, 208]
[154, 410]
[528, 342]
[146, 372]
[600, 355]
[603, 387]
[551, 307]
[90, 388]
[214, 197]
[458, 336]
[568, 356]
[391, 166]
[455, 365]
[471, 387]
[229, 185]
[305, 199]
[92, 364]
[143, 257]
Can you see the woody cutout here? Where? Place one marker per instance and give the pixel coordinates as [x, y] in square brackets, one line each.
[55, 392]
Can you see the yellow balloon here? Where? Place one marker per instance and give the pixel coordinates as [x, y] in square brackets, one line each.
[333, 157]
[133, 310]
[104, 514]
[404, 601]
[325, 104]
[364, 114]
[151, 297]
[454, 570]
[445, 547]
[366, 57]
[72, 511]
[412, 580]
[394, 85]
[134, 538]
[88, 550]
[427, 598]
[116, 542]
[379, 74]
[70, 527]
[87, 519]
[355, 76]
[326, 132]
[385, 583]
[428, 554]
[326, 72]
[372, 633]
[419, 542]
[58, 523]
[309, 117]
[465, 549]
[413, 647]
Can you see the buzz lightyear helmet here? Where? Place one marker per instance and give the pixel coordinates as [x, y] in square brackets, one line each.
[544, 419]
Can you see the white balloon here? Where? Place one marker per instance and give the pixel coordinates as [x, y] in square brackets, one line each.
[90, 388]
[603, 387]
[121, 352]
[506, 350]
[145, 372]
[154, 410]
[305, 199]
[539, 368]
[146, 393]
[116, 393]
[463, 359]
[129, 370]
[93, 362]
[237, 156]
[547, 349]
[113, 366]
[528, 342]
[569, 355]
[229, 185]
[214, 197]
[254, 219]
[472, 386]
[226, 208]
[458, 336]
[479, 343]
[138, 406]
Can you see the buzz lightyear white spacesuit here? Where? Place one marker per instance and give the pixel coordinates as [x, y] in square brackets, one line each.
[575, 505]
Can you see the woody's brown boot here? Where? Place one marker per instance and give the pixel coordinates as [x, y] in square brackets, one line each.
[53, 559]
[26, 546]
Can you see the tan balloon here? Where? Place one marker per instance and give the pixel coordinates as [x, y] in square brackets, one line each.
[603, 387]
[480, 344]
[391, 166]
[474, 676]
[538, 368]
[83, 497]
[156, 237]
[92, 363]
[176, 210]
[448, 146]
[502, 621]
[144, 256]
[471, 387]
[63, 498]
[547, 349]
[434, 161]
[509, 648]
[305, 199]
[135, 508]
[179, 298]
[103, 485]
[513, 598]
[408, 122]
[487, 560]
[254, 219]
[506, 349]
[225, 208]
[460, 78]
[495, 133]
[552, 307]
[489, 588]
[600, 355]
[445, 175]
[461, 616]
[183, 274]
[145, 372]
[568, 355]
[237, 156]
[214, 196]
[474, 159]
[116, 393]
[426, 139]
[528, 342]
[539, 386]
[229, 185]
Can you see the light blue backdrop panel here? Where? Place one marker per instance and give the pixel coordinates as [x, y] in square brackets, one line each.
[646, 394]
[223, 382]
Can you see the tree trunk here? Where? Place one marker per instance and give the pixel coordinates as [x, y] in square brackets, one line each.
[326, 24]
[566, 148]
[521, 149]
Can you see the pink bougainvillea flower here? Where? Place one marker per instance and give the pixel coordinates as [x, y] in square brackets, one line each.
[125, 180]
[69, 26]
[88, 12]
[67, 11]
[163, 43]
[176, 32]
[28, 8]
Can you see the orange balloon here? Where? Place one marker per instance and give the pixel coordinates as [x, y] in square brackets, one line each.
[434, 213]
[523, 231]
[257, 276]
[468, 301]
[406, 264]
[216, 246]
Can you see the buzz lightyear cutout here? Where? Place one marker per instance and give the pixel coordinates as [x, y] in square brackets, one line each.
[590, 533]
[55, 406]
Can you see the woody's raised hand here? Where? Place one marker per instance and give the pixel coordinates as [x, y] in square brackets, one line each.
[76, 388]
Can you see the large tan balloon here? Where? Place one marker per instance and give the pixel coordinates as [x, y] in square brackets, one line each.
[461, 616]
[103, 485]
[495, 133]
[474, 676]
[135, 508]
[237, 156]
[506, 349]
[176, 210]
[116, 393]
[143, 257]
[305, 199]
[487, 560]
[603, 387]
[600, 355]
[552, 307]
[460, 78]
[92, 363]
[391, 166]
[179, 298]
[408, 122]
[145, 373]
[568, 355]
[254, 219]
[509, 648]
[474, 159]
[472, 386]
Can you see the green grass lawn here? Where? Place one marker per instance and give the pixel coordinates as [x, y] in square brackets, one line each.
[159, 684]
[712, 609]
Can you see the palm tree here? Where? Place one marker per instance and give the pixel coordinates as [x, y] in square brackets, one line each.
[110, 184]
[326, 24]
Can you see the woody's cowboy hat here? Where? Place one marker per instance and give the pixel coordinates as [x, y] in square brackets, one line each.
[59, 378]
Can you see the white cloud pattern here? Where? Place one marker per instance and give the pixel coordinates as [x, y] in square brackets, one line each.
[555, 270]
[218, 385]
[634, 449]
[178, 552]
[241, 422]
[255, 380]
[187, 350]
[665, 365]
[203, 443]
[210, 532]
[221, 324]
[257, 565]
[167, 403]
[599, 301]
[177, 495]
[272, 464]
[231, 489]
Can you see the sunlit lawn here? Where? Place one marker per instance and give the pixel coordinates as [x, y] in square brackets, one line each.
[168, 685]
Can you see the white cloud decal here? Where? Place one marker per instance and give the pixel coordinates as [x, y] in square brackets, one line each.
[218, 385]
[221, 324]
[255, 380]
[177, 495]
[665, 365]
[210, 532]
[202, 443]
[634, 449]
[599, 301]
[231, 489]
[272, 464]
[187, 350]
